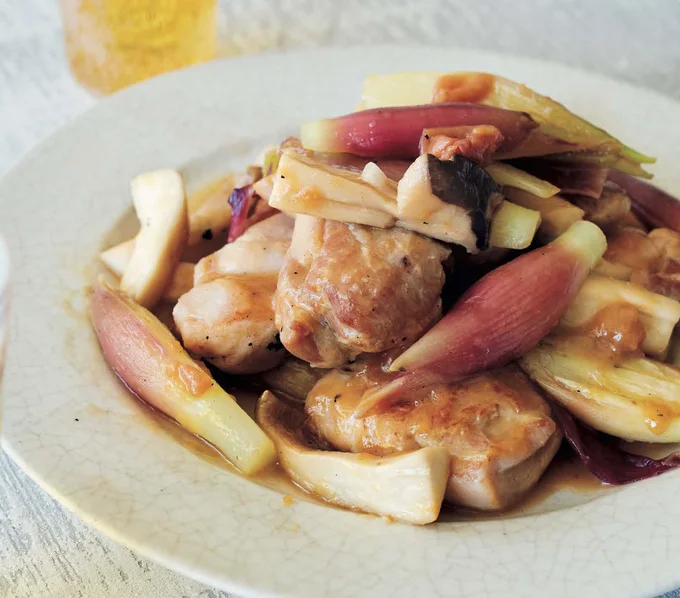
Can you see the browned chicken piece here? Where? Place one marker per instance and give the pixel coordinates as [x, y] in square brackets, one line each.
[654, 258]
[608, 210]
[497, 428]
[228, 317]
[230, 322]
[259, 250]
[347, 289]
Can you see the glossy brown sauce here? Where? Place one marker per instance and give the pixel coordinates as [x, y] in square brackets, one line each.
[565, 473]
[614, 333]
[658, 416]
[155, 421]
[617, 327]
[462, 87]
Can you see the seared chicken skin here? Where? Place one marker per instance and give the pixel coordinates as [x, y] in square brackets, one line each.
[497, 429]
[228, 317]
[347, 289]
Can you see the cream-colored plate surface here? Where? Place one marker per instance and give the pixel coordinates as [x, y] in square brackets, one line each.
[68, 424]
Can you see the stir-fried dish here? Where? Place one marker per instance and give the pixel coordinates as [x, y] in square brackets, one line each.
[433, 292]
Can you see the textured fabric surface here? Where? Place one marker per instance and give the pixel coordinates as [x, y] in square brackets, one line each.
[44, 550]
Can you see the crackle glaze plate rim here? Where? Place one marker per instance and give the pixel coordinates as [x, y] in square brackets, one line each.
[68, 427]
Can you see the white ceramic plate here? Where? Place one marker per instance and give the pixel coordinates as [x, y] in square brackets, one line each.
[68, 424]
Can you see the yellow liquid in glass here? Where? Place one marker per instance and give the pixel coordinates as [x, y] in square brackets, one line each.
[111, 44]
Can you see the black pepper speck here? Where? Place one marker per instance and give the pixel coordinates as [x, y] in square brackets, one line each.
[276, 344]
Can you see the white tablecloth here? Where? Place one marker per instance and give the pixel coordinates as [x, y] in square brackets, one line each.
[44, 550]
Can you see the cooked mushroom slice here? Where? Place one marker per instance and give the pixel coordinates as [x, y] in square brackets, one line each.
[496, 429]
[460, 183]
[118, 257]
[450, 200]
[408, 487]
[629, 397]
[161, 207]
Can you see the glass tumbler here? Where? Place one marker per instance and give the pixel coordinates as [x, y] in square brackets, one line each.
[111, 44]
